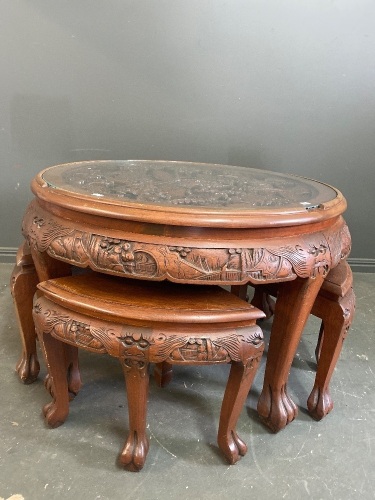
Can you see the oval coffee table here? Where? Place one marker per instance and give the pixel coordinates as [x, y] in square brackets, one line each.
[188, 223]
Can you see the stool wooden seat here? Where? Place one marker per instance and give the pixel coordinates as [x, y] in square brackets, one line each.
[148, 322]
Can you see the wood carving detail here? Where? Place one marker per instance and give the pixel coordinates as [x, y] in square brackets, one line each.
[63, 327]
[158, 347]
[314, 254]
[138, 349]
[130, 363]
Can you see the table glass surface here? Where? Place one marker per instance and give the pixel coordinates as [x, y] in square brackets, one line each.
[187, 185]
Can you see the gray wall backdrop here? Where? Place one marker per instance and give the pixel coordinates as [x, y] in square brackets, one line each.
[279, 84]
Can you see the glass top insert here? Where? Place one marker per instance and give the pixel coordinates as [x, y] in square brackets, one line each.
[165, 183]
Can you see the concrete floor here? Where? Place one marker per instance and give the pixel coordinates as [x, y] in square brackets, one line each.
[334, 458]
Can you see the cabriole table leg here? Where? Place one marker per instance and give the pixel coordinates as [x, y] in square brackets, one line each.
[293, 306]
[23, 285]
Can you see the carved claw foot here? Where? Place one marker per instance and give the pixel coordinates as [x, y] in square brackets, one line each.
[54, 416]
[28, 368]
[276, 409]
[134, 454]
[319, 403]
[232, 446]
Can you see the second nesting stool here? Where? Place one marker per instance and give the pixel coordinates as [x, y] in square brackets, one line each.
[147, 322]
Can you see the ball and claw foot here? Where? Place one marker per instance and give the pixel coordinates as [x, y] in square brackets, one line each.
[232, 446]
[276, 409]
[28, 368]
[133, 456]
[54, 417]
[319, 403]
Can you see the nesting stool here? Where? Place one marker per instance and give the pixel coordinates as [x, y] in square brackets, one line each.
[148, 322]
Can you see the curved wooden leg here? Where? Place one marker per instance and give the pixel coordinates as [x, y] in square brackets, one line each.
[23, 286]
[72, 367]
[337, 319]
[293, 306]
[134, 453]
[49, 268]
[72, 370]
[56, 412]
[319, 343]
[163, 373]
[241, 377]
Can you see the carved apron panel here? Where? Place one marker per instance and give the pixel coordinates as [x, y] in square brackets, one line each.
[304, 256]
[145, 344]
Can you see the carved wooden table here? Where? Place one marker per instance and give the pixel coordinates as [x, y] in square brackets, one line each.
[197, 224]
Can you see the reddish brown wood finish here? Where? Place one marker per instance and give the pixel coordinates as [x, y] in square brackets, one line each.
[186, 255]
[229, 245]
[218, 185]
[200, 325]
[335, 306]
[31, 268]
[293, 306]
[23, 286]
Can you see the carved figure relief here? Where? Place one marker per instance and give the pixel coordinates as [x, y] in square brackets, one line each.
[160, 347]
[314, 254]
[148, 345]
[67, 329]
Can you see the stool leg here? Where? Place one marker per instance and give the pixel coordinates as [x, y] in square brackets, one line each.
[49, 268]
[23, 285]
[72, 370]
[163, 373]
[56, 412]
[336, 323]
[72, 367]
[241, 377]
[134, 453]
[318, 348]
